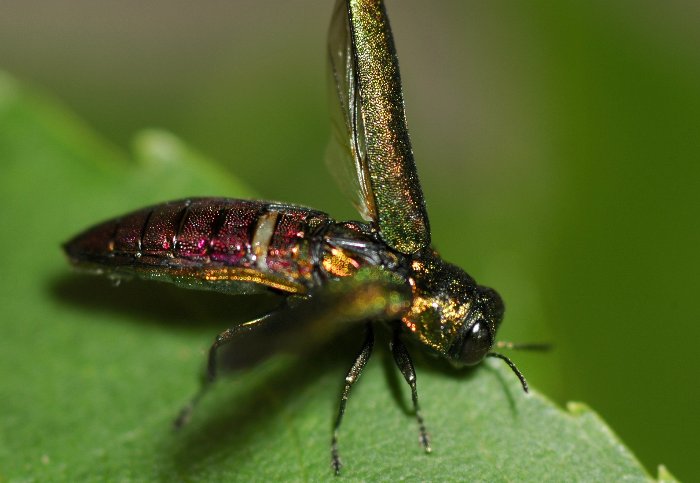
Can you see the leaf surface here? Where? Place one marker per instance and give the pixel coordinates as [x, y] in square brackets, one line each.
[93, 375]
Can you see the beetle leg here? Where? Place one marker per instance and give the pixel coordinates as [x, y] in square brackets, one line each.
[405, 365]
[351, 378]
[223, 338]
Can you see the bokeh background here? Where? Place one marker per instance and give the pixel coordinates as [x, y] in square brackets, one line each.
[557, 142]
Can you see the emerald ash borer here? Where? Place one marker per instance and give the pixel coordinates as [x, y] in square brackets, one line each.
[380, 270]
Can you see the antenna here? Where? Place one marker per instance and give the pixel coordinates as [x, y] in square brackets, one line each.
[512, 367]
[536, 346]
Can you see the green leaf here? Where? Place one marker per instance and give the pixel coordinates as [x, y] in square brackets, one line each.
[93, 376]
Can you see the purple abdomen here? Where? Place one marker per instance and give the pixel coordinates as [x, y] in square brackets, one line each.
[204, 233]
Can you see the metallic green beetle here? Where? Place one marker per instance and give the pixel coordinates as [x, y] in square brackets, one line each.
[380, 270]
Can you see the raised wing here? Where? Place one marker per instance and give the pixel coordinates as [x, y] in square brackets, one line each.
[346, 150]
[370, 137]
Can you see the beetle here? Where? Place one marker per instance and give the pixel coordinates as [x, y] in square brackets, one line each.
[380, 270]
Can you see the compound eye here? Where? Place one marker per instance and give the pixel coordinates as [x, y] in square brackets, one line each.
[476, 344]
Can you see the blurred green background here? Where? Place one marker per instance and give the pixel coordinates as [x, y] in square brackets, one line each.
[557, 144]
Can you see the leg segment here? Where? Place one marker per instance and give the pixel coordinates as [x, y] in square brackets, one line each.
[352, 376]
[222, 339]
[225, 337]
[405, 365]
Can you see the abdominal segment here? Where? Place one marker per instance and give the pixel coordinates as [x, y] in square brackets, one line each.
[227, 245]
[212, 240]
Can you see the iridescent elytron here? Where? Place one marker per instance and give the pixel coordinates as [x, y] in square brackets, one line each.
[380, 270]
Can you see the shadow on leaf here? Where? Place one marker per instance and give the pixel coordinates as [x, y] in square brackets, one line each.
[222, 429]
[160, 303]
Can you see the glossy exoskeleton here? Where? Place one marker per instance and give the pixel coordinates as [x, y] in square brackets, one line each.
[380, 270]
